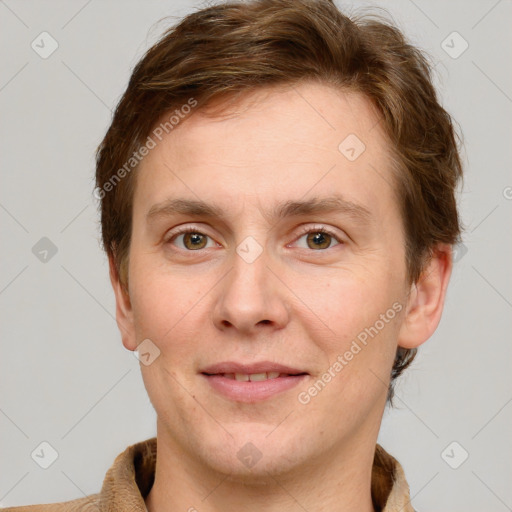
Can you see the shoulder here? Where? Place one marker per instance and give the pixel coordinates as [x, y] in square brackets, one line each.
[126, 482]
[87, 504]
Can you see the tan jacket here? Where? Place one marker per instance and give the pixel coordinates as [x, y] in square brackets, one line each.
[130, 478]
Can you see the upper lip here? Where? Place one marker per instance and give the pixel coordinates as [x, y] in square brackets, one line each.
[261, 367]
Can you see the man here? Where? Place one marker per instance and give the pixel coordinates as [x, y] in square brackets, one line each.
[277, 205]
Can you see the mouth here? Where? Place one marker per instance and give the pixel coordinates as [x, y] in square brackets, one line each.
[254, 377]
[252, 383]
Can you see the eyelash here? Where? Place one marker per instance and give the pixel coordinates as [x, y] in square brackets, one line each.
[306, 230]
[319, 229]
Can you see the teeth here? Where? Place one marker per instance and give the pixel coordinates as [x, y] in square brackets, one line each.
[253, 377]
[257, 377]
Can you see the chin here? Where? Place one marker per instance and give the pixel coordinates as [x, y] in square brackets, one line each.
[263, 472]
[254, 457]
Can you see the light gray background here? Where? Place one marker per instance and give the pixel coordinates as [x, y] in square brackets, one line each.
[65, 376]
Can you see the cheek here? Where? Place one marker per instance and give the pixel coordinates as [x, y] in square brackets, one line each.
[344, 301]
[169, 309]
[159, 303]
[356, 323]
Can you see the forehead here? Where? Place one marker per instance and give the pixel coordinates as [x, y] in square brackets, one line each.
[312, 116]
[276, 143]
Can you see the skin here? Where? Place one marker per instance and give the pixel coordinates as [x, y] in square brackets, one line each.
[297, 304]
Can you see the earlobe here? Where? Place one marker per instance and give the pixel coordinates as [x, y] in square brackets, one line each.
[124, 313]
[426, 299]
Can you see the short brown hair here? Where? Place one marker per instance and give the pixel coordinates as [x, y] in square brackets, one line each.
[236, 47]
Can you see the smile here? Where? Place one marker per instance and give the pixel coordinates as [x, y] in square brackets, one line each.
[251, 383]
[253, 377]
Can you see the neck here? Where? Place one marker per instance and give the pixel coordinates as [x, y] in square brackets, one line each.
[337, 482]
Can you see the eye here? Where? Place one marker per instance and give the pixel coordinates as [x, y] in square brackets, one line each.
[319, 238]
[191, 238]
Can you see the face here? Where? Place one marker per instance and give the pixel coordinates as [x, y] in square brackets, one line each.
[275, 290]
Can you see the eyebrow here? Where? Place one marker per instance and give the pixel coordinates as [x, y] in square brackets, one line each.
[335, 203]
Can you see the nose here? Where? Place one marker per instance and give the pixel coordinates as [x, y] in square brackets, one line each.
[251, 298]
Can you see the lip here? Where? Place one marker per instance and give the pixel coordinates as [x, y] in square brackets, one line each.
[260, 367]
[251, 391]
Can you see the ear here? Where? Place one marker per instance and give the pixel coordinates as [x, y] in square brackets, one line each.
[124, 313]
[426, 299]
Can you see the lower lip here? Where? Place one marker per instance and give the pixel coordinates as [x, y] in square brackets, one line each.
[248, 391]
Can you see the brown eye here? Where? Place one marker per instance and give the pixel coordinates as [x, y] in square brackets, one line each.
[190, 239]
[319, 240]
[194, 241]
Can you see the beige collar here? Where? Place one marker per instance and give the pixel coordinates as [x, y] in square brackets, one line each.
[135, 468]
[129, 480]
